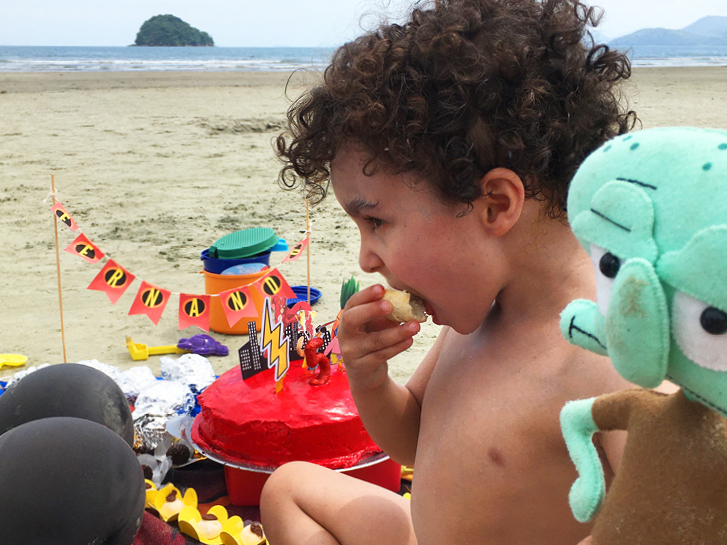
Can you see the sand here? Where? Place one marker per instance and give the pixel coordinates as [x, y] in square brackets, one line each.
[156, 166]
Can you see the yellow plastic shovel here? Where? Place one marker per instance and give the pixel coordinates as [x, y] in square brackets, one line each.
[140, 351]
[12, 360]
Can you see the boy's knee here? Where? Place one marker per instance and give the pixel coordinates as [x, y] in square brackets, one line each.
[283, 483]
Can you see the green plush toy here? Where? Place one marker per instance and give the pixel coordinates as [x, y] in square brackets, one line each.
[651, 209]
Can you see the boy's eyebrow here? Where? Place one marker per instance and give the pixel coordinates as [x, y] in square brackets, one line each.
[358, 205]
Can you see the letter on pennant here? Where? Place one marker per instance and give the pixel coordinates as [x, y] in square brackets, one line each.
[150, 300]
[113, 280]
[194, 310]
[86, 249]
[237, 303]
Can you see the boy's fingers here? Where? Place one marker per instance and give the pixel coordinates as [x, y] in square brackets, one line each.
[381, 340]
[385, 354]
[367, 317]
[366, 295]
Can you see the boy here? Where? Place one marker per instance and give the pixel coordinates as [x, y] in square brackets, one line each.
[451, 141]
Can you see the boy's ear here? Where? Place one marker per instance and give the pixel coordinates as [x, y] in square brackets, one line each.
[503, 195]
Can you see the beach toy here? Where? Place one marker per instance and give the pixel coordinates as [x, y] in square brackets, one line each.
[244, 243]
[204, 345]
[12, 360]
[140, 351]
[245, 268]
[218, 266]
[301, 293]
[68, 481]
[67, 389]
[217, 283]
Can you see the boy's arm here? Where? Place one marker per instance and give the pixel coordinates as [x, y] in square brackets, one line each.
[390, 412]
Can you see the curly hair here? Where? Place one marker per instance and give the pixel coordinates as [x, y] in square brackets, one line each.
[463, 87]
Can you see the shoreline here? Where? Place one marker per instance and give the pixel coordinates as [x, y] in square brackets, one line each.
[155, 166]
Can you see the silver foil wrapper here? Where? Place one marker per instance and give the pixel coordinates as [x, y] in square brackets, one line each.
[155, 405]
[191, 369]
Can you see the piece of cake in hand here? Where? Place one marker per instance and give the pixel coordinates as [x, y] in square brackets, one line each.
[405, 306]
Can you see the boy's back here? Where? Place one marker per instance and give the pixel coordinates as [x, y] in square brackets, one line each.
[450, 141]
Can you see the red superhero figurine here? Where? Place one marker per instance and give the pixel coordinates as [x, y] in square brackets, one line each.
[314, 359]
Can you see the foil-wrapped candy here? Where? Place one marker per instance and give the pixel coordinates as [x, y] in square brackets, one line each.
[191, 369]
[155, 405]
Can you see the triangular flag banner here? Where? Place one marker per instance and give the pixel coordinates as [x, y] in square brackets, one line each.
[113, 280]
[297, 250]
[63, 216]
[237, 303]
[86, 249]
[194, 310]
[150, 300]
[273, 283]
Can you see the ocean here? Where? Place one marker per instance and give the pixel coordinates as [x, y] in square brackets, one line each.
[98, 59]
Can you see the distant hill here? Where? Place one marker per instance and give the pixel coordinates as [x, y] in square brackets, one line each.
[707, 31]
[168, 30]
[713, 25]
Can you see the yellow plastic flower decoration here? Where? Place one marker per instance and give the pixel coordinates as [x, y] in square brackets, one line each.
[151, 492]
[168, 501]
[236, 532]
[204, 528]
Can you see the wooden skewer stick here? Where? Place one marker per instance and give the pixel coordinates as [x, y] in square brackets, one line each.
[58, 267]
[307, 248]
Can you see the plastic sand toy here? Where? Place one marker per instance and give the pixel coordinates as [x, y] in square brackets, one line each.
[12, 360]
[204, 345]
[140, 351]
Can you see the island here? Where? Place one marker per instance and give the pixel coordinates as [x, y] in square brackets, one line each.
[171, 31]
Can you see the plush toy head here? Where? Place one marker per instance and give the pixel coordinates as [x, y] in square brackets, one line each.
[651, 210]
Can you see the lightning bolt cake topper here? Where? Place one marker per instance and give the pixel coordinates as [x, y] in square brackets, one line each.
[274, 344]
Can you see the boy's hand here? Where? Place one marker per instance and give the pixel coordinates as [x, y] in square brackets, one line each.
[368, 339]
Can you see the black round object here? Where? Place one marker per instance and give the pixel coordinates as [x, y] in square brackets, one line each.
[714, 321]
[609, 265]
[68, 481]
[67, 389]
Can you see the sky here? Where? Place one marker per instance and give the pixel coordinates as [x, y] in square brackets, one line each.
[268, 23]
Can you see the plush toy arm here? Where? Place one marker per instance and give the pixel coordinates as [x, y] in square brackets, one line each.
[582, 324]
[589, 489]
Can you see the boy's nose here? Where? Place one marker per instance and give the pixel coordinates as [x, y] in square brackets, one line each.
[368, 260]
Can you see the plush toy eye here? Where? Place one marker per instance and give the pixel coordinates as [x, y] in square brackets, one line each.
[606, 265]
[714, 321]
[609, 265]
[700, 331]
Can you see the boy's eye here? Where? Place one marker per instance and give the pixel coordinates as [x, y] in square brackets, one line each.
[375, 222]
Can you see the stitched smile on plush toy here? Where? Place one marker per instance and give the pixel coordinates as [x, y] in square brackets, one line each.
[573, 327]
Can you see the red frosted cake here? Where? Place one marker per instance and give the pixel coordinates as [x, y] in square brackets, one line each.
[246, 421]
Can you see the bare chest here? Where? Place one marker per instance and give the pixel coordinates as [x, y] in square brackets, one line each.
[490, 437]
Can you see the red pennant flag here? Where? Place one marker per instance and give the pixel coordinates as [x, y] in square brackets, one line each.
[113, 280]
[237, 303]
[86, 249]
[273, 283]
[150, 300]
[194, 310]
[297, 250]
[63, 215]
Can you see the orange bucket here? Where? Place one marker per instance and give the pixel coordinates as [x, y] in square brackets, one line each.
[217, 283]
